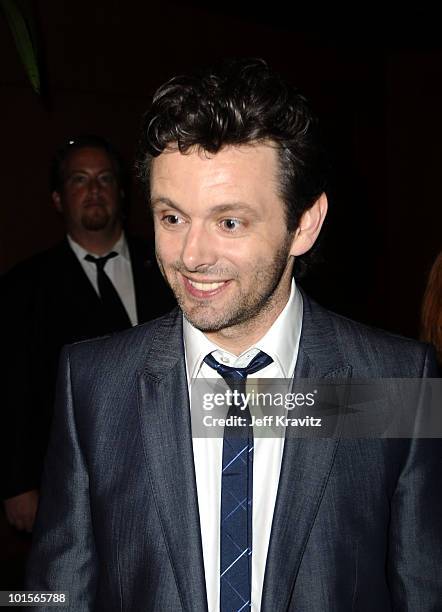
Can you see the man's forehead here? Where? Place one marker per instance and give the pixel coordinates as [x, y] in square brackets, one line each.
[230, 165]
[88, 157]
[236, 180]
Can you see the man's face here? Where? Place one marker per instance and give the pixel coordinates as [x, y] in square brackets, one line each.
[221, 236]
[90, 196]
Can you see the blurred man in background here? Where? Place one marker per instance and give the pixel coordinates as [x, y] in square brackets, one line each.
[96, 281]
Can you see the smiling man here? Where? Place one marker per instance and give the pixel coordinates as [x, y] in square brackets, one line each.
[222, 239]
[138, 513]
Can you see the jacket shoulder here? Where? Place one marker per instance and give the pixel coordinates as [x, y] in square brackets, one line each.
[132, 348]
[31, 267]
[384, 352]
[371, 352]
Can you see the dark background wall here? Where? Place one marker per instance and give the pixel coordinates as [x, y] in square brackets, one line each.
[376, 85]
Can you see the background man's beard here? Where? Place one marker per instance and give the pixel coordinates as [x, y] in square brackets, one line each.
[95, 219]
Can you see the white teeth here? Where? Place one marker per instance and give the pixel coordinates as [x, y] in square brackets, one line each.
[205, 286]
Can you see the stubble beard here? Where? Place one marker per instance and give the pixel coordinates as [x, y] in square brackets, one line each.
[246, 307]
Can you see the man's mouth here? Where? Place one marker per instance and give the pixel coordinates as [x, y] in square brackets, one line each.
[93, 203]
[206, 286]
[204, 289]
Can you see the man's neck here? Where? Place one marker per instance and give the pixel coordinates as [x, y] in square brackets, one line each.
[239, 341]
[98, 243]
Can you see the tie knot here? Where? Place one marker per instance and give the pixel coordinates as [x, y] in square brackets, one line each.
[260, 361]
[100, 262]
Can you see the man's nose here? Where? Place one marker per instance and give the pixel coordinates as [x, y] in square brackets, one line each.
[198, 251]
[94, 184]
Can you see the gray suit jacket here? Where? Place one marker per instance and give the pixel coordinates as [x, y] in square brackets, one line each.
[357, 524]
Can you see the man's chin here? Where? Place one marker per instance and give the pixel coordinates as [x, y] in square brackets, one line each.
[95, 223]
[94, 228]
[211, 322]
[204, 321]
[208, 318]
[205, 326]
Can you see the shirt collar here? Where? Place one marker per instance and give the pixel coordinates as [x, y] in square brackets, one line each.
[281, 341]
[119, 247]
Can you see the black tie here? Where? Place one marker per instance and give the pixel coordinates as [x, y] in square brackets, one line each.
[116, 314]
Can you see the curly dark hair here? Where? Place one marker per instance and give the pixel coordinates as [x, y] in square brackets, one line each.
[240, 102]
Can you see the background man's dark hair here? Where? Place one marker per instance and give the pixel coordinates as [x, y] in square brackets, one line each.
[82, 142]
[240, 102]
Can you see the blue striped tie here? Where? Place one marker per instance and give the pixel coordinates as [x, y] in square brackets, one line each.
[237, 493]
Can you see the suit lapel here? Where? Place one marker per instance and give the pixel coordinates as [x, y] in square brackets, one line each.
[306, 466]
[166, 431]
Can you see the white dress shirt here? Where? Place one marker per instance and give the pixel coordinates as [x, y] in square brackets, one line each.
[118, 269]
[281, 342]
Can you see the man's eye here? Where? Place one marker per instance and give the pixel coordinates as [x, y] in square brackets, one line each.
[230, 224]
[171, 219]
[107, 179]
[78, 179]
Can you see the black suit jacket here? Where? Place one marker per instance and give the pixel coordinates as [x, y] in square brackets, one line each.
[48, 302]
[357, 525]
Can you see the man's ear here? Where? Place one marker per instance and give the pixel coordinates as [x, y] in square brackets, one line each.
[56, 200]
[309, 227]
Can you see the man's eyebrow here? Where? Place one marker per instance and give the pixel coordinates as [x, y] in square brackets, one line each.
[84, 171]
[217, 209]
[160, 200]
[156, 200]
[234, 207]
